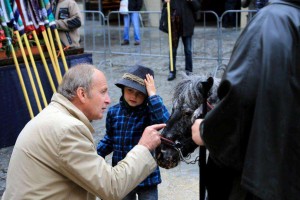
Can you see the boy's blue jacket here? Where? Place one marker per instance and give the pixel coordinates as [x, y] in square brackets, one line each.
[125, 126]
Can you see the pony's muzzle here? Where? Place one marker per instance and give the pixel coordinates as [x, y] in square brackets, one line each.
[167, 158]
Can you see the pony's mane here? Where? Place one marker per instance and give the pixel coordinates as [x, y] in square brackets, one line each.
[188, 91]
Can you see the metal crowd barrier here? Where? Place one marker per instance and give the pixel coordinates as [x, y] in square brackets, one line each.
[94, 32]
[229, 35]
[94, 36]
[152, 41]
[212, 41]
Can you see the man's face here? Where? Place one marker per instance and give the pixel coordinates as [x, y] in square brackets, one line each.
[97, 98]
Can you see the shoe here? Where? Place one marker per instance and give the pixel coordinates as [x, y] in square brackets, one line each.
[188, 73]
[125, 42]
[137, 43]
[171, 76]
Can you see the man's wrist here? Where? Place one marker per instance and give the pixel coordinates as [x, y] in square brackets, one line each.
[145, 145]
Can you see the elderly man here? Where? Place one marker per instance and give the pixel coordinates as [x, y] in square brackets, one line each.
[55, 155]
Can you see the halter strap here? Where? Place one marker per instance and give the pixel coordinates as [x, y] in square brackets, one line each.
[178, 146]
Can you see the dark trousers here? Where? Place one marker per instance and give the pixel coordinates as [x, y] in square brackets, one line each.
[187, 44]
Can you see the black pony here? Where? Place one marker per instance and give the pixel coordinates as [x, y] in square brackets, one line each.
[188, 98]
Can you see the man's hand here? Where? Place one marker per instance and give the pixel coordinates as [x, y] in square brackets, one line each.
[196, 132]
[151, 136]
[150, 86]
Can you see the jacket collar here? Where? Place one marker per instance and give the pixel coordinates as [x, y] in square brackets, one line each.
[129, 108]
[64, 103]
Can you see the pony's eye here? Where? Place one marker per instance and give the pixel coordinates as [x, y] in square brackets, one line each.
[189, 112]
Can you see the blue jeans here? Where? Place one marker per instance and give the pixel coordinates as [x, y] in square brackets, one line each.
[144, 193]
[187, 44]
[132, 18]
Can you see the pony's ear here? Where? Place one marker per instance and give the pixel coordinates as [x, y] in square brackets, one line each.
[210, 81]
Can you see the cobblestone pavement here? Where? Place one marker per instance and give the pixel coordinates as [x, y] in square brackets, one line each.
[179, 183]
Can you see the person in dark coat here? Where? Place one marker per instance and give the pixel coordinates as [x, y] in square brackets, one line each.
[232, 19]
[183, 14]
[253, 133]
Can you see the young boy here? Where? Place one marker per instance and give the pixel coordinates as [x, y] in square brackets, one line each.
[139, 107]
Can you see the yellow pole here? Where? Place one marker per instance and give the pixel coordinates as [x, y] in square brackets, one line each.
[53, 48]
[22, 82]
[29, 71]
[170, 37]
[37, 76]
[44, 61]
[55, 67]
[61, 50]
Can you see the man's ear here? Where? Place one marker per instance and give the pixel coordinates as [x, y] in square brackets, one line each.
[81, 94]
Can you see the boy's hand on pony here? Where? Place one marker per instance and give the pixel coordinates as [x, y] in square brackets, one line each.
[150, 86]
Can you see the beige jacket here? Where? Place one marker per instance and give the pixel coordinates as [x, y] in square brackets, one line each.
[68, 21]
[55, 158]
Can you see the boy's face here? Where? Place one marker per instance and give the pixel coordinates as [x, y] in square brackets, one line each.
[133, 97]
